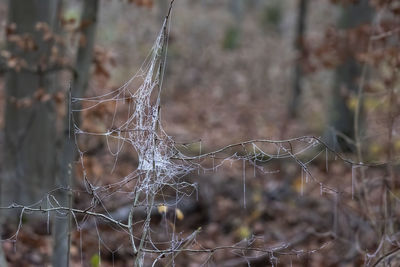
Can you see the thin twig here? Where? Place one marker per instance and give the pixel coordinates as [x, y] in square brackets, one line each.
[387, 255]
[68, 209]
[270, 141]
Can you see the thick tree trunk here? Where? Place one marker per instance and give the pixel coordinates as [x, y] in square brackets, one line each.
[68, 149]
[30, 132]
[33, 165]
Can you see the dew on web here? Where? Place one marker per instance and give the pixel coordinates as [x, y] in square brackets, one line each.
[335, 213]
[326, 160]
[48, 215]
[142, 129]
[353, 180]
[244, 183]
[302, 182]
[307, 177]
[255, 160]
[254, 168]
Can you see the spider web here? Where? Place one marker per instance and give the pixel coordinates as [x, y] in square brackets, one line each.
[142, 130]
[161, 161]
[135, 123]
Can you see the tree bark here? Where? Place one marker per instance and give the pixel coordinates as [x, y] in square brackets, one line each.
[341, 118]
[67, 151]
[299, 48]
[30, 132]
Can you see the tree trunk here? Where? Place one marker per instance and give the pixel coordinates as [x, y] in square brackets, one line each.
[341, 118]
[299, 48]
[30, 132]
[68, 148]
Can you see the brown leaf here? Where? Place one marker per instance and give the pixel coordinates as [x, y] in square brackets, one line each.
[39, 93]
[11, 29]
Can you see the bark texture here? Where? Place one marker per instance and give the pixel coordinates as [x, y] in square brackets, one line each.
[67, 156]
[30, 132]
[341, 118]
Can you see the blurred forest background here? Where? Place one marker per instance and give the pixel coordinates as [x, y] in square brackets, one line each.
[236, 70]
